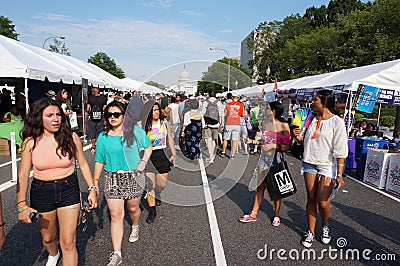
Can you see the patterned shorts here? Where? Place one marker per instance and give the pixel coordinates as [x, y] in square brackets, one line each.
[129, 185]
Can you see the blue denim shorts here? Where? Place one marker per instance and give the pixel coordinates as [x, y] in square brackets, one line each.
[265, 162]
[324, 170]
[47, 196]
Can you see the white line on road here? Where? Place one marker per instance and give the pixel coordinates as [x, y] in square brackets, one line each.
[212, 218]
[373, 188]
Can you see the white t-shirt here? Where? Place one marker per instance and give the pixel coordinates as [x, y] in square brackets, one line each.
[174, 113]
[330, 141]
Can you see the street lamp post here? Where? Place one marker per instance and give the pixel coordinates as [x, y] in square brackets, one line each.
[56, 37]
[229, 65]
[268, 71]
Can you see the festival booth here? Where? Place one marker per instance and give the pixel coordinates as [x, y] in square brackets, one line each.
[377, 83]
[34, 71]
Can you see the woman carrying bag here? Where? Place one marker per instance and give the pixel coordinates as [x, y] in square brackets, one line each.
[276, 139]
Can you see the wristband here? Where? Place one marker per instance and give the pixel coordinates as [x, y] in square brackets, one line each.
[339, 175]
[3, 224]
[340, 164]
[23, 209]
[143, 161]
[93, 188]
[20, 202]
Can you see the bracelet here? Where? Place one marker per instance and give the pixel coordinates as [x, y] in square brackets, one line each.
[339, 174]
[96, 179]
[3, 224]
[93, 188]
[23, 209]
[143, 161]
[340, 164]
[20, 202]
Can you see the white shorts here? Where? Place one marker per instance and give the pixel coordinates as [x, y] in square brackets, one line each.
[231, 132]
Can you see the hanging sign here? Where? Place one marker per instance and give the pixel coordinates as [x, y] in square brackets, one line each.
[366, 98]
[386, 96]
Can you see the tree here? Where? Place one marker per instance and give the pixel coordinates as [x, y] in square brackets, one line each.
[155, 84]
[7, 28]
[103, 61]
[216, 76]
[59, 47]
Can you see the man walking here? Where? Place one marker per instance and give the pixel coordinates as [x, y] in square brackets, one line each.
[95, 107]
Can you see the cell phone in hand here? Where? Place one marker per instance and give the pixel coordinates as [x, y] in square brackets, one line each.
[35, 216]
[335, 189]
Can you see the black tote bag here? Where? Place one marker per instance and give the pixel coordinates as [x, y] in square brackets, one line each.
[279, 182]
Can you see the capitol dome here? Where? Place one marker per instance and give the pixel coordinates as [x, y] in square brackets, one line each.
[184, 77]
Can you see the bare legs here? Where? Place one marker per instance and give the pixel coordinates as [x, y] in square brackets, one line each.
[318, 194]
[68, 220]
[116, 207]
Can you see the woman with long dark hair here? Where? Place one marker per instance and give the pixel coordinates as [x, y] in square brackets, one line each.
[50, 146]
[159, 132]
[276, 138]
[119, 156]
[63, 101]
[325, 151]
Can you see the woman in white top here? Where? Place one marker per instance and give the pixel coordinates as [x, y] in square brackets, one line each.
[325, 151]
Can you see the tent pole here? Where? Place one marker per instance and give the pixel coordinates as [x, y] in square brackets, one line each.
[379, 116]
[26, 96]
[349, 98]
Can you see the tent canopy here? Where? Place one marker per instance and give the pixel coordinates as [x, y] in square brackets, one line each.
[20, 60]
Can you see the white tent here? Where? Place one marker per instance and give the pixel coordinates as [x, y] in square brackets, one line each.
[384, 75]
[20, 60]
[141, 86]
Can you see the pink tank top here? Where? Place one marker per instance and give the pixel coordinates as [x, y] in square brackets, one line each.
[47, 164]
[271, 137]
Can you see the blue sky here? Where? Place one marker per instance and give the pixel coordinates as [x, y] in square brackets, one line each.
[146, 36]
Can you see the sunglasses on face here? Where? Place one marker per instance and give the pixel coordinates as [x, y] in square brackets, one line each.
[115, 114]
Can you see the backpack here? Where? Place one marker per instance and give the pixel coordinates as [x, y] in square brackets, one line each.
[211, 116]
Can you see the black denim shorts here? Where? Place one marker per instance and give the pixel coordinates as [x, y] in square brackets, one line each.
[49, 195]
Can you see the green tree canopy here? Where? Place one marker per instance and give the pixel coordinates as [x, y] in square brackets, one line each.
[7, 28]
[216, 77]
[106, 63]
[59, 47]
[156, 84]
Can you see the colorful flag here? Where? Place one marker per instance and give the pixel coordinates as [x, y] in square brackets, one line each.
[276, 85]
[262, 93]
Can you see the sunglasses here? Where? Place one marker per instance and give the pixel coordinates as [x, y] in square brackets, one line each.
[115, 115]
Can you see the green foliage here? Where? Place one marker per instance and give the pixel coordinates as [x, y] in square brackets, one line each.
[216, 77]
[103, 61]
[387, 121]
[155, 84]
[7, 28]
[358, 118]
[345, 34]
[59, 47]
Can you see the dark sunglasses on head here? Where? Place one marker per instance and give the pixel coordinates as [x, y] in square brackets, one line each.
[115, 114]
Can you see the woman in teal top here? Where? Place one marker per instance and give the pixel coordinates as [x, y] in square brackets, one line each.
[118, 151]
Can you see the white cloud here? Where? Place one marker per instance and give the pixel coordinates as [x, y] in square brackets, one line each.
[52, 17]
[225, 31]
[158, 3]
[192, 13]
[138, 46]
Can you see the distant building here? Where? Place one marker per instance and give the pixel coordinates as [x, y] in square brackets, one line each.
[245, 54]
[184, 84]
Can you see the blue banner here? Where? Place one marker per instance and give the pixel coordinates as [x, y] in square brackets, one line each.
[386, 96]
[367, 98]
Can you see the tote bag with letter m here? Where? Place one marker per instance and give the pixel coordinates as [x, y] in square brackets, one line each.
[279, 182]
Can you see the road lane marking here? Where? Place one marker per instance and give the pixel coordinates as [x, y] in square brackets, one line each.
[373, 188]
[212, 218]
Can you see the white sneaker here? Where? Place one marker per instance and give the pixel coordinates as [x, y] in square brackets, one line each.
[134, 234]
[115, 259]
[326, 235]
[52, 260]
[307, 240]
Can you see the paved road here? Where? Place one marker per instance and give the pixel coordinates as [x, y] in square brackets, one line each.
[188, 235]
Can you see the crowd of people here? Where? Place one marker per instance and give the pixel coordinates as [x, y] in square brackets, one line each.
[135, 139]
